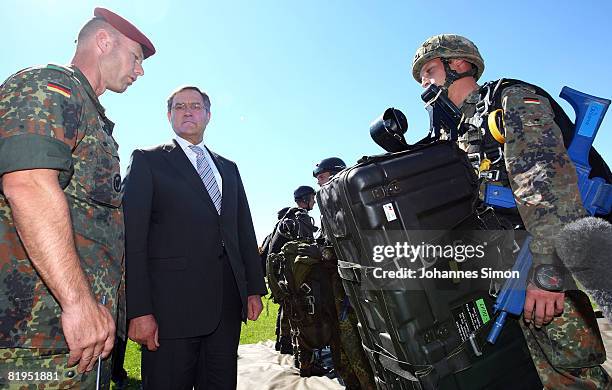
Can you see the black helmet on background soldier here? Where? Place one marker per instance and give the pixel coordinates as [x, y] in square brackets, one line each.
[332, 165]
[302, 193]
[447, 47]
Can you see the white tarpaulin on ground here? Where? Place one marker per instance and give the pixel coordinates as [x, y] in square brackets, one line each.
[261, 367]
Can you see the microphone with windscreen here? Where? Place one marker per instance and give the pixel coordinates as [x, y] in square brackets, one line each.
[585, 247]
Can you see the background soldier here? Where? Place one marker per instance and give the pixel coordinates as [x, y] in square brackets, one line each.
[354, 367]
[308, 359]
[559, 327]
[61, 223]
[299, 284]
[305, 352]
[294, 223]
[309, 293]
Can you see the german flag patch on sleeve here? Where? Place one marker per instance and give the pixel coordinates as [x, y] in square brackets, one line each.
[531, 100]
[62, 90]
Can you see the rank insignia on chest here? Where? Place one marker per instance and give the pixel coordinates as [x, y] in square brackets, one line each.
[55, 87]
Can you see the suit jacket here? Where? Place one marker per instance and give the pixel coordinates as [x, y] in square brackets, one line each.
[176, 241]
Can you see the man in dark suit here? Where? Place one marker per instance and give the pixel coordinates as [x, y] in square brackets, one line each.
[192, 266]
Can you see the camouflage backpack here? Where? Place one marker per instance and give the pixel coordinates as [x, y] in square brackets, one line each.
[273, 272]
[297, 282]
[296, 224]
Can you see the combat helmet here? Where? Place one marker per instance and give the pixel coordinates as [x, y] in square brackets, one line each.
[332, 165]
[302, 192]
[447, 47]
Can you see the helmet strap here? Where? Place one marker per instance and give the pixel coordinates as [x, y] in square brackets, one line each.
[307, 203]
[453, 75]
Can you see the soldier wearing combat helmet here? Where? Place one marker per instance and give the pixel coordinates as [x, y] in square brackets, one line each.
[61, 222]
[528, 155]
[297, 285]
[350, 360]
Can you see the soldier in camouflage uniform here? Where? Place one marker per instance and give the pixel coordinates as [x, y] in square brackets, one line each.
[559, 327]
[293, 223]
[296, 282]
[310, 329]
[61, 223]
[353, 365]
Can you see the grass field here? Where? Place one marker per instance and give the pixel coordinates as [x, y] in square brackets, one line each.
[252, 332]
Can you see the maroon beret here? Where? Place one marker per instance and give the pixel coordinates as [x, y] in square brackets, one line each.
[127, 29]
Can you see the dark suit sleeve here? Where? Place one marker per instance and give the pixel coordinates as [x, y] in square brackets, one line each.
[248, 245]
[137, 200]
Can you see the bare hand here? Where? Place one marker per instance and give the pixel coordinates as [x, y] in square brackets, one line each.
[143, 330]
[541, 305]
[254, 307]
[89, 330]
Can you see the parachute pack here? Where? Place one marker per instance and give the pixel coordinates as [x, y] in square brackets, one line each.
[295, 224]
[298, 281]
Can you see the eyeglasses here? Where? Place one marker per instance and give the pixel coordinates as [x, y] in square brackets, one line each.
[191, 106]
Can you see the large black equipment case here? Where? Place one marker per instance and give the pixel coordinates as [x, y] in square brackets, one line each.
[415, 335]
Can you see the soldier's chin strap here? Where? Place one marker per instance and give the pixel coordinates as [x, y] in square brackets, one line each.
[305, 202]
[453, 75]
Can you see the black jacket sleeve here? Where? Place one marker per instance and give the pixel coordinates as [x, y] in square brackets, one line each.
[137, 198]
[248, 245]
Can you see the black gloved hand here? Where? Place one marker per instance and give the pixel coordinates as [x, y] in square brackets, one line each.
[309, 250]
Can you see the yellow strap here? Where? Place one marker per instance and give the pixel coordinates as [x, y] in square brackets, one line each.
[485, 165]
[493, 125]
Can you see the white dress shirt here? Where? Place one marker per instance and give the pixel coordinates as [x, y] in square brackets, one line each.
[192, 156]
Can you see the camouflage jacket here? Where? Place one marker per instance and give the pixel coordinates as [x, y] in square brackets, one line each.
[538, 168]
[51, 118]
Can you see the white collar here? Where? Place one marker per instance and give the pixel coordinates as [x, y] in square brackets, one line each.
[184, 144]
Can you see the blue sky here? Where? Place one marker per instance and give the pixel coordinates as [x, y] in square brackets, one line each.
[294, 82]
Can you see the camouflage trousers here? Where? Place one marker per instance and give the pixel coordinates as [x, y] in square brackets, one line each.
[352, 351]
[37, 368]
[568, 352]
[358, 370]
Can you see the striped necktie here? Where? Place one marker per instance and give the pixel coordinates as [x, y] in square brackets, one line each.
[207, 176]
